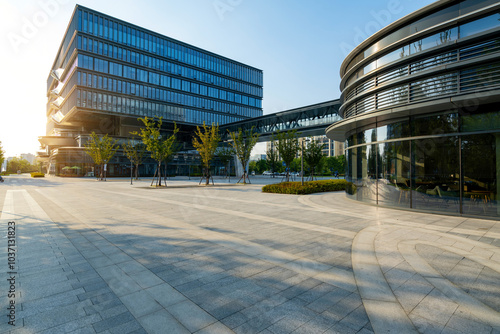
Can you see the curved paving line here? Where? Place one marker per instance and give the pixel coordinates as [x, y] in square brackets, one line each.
[384, 310]
[476, 307]
[307, 200]
[380, 302]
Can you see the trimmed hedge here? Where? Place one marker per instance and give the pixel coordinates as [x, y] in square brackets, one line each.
[36, 174]
[308, 188]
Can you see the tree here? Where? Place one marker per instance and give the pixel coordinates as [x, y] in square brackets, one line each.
[243, 143]
[136, 153]
[225, 155]
[313, 155]
[101, 150]
[160, 148]
[336, 164]
[2, 156]
[288, 145]
[252, 166]
[272, 159]
[261, 166]
[206, 143]
[296, 165]
[20, 164]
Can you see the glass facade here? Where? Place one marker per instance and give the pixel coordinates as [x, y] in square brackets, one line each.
[421, 109]
[439, 168]
[123, 69]
[448, 13]
[108, 73]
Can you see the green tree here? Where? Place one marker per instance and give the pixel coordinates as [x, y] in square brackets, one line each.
[288, 145]
[243, 143]
[261, 166]
[252, 166]
[313, 155]
[101, 150]
[161, 147]
[272, 159]
[336, 164]
[342, 163]
[136, 153]
[19, 164]
[206, 143]
[296, 165]
[225, 155]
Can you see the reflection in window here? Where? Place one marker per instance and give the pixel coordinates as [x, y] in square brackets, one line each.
[480, 122]
[393, 56]
[367, 136]
[394, 174]
[351, 172]
[480, 175]
[434, 125]
[438, 39]
[481, 25]
[393, 131]
[436, 174]
[366, 184]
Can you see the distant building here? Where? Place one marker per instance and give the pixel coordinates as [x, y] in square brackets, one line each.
[257, 157]
[28, 156]
[107, 73]
[331, 148]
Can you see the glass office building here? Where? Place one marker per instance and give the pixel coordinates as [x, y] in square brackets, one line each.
[421, 111]
[107, 73]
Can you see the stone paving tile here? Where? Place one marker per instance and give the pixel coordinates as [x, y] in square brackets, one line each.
[114, 321]
[50, 302]
[139, 270]
[191, 315]
[162, 322]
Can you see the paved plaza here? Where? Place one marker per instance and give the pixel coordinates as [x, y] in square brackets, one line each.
[110, 257]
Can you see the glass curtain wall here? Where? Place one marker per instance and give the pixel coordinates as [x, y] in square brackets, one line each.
[433, 171]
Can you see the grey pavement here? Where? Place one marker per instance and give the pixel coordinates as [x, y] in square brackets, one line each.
[110, 257]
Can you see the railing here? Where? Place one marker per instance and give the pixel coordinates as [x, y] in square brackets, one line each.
[448, 57]
[483, 77]
[455, 82]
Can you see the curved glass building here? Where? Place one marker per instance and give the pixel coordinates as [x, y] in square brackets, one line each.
[421, 111]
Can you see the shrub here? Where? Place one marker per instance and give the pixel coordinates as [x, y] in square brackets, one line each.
[308, 187]
[37, 174]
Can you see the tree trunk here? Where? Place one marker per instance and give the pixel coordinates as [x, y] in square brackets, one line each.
[137, 171]
[244, 172]
[101, 172]
[208, 176]
[159, 174]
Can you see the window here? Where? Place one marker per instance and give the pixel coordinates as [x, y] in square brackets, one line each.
[484, 24]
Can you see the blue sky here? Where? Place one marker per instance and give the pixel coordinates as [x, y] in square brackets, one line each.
[298, 44]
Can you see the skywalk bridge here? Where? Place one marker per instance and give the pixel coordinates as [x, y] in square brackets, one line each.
[310, 120]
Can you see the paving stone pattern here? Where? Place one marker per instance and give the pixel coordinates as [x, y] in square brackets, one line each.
[108, 257]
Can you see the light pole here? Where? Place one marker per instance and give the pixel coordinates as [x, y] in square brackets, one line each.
[302, 164]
